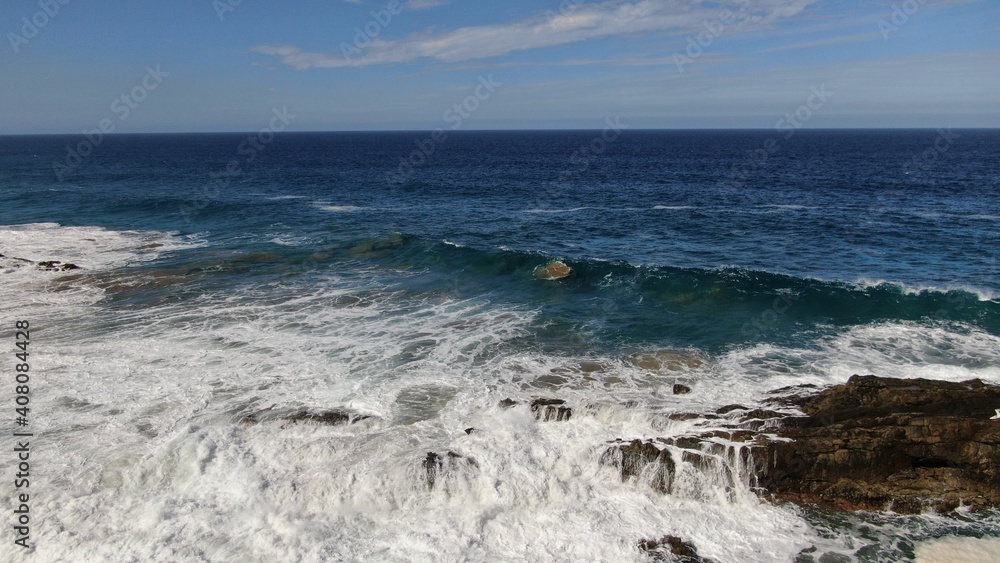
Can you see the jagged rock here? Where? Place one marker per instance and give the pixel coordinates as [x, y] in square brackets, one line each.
[642, 460]
[680, 550]
[53, 265]
[554, 270]
[470, 430]
[551, 409]
[730, 408]
[731, 435]
[879, 443]
[690, 416]
[544, 409]
[330, 417]
[680, 389]
[435, 465]
[508, 403]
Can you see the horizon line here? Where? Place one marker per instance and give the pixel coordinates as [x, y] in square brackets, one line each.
[539, 130]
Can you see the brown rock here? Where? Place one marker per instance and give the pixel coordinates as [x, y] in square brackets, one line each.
[551, 409]
[730, 408]
[554, 270]
[642, 460]
[881, 443]
[436, 465]
[681, 550]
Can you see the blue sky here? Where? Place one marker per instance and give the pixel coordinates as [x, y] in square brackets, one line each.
[226, 65]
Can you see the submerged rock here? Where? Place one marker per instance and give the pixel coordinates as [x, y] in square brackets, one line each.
[667, 360]
[554, 270]
[678, 550]
[329, 417]
[879, 443]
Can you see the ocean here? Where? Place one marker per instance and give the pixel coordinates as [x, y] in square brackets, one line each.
[393, 275]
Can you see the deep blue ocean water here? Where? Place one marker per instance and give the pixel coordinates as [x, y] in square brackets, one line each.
[342, 270]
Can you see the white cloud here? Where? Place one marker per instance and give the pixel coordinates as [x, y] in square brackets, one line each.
[426, 4]
[575, 23]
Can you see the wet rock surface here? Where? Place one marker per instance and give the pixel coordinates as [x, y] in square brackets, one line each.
[879, 443]
[437, 466]
[14, 262]
[56, 265]
[554, 270]
[545, 409]
[328, 417]
[644, 461]
[551, 409]
[671, 548]
[873, 443]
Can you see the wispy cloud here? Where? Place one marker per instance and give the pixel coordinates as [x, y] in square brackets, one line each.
[853, 38]
[575, 23]
[426, 4]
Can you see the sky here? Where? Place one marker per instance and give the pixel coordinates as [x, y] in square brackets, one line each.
[69, 66]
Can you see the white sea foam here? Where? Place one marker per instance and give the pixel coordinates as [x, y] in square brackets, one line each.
[791, 207]
[673, 207]
[984, 294]
[959, 550]
[144, 417]
[340, 208]
[27, 289]
[88, 247]
[573, 210]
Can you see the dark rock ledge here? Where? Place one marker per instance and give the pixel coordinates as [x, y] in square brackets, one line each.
[671, 548]
[873, 443]
[544, 409]
[328, 417]
[879, 443]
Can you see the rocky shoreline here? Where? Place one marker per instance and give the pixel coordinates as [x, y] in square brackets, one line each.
[879, 443]
[870, 444]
